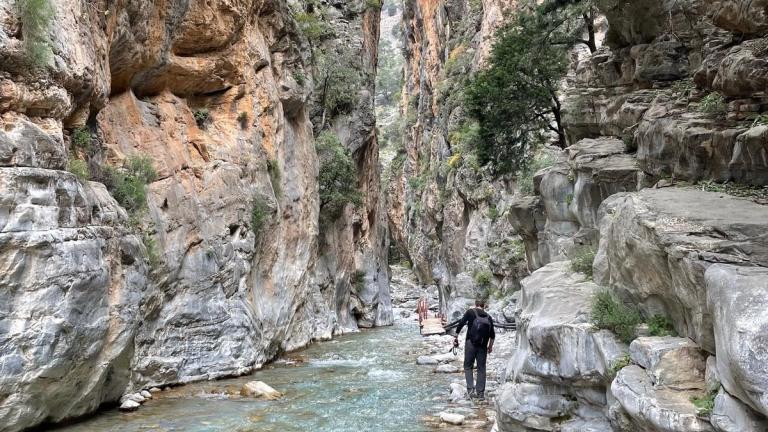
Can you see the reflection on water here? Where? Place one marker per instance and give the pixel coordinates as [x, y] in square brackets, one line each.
[359, 382]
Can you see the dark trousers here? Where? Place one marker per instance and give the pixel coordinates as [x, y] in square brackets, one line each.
[472, 354]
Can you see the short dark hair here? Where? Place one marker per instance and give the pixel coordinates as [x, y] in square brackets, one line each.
[480, 303]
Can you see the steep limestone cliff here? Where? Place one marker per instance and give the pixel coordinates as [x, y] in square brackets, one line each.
[656, 120]
[230, 263]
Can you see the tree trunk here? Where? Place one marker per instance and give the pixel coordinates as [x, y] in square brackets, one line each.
[589, 20]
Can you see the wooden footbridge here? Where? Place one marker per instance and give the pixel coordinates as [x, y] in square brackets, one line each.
[437, 325]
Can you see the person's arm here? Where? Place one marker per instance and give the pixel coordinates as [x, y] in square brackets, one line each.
[462, 323]
[493, 336]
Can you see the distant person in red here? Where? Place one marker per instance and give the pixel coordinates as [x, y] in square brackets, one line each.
[478, 344]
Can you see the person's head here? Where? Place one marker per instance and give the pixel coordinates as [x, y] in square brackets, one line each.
[480, 303]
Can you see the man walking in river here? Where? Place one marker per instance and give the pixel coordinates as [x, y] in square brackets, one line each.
[477, 346]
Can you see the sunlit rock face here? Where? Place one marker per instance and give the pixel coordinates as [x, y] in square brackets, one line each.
[98, 301]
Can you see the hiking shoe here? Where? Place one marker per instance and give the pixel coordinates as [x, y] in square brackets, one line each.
[471, 394]
[480, 397]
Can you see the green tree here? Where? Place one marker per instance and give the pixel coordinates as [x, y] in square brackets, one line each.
[338, 176]
[515, 99]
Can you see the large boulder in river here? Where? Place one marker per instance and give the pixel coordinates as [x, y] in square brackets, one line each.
[656, 244]
[259, 389]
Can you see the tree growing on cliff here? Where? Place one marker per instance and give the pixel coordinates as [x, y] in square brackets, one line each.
[515, 100]
[338, 177]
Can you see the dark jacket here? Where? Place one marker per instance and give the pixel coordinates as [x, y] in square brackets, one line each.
[469, 318]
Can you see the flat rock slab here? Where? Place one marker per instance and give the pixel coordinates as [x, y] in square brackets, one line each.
[671, 361]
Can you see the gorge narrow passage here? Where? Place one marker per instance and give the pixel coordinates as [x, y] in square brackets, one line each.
[357, 382]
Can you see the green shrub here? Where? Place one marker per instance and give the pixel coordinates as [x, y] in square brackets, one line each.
[338, 177]
[202, 117]
[713, 103]
[609, 312]
[81, 139]
[259, 214]
[79, 168]
[128, 185]
[583, 261]
[483, 278]
[36, 18]
[339, 89]
[313, 26]
[569, 199]
[242, 118]
[704, 404]
[373, 4]
[660, 325]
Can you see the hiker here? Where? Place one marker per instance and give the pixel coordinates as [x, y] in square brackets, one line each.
[478, 345]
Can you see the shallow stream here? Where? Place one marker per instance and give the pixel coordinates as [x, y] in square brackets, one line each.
[359, 382]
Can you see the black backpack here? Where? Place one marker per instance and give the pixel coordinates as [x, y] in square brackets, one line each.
[480, 331]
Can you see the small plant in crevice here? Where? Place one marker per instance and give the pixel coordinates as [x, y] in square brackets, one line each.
[583, 261]
[713, 103]
[202, 117]
[569, 199]
[611, 313]
[153, 257]
[260, 214]
[358, 280]
[242, 118]
[79, 168]
[275, 177]
[660, 325]
[80, 139]
[620, 364]
[493, 213]
[299, 77]
[704, 404]
[36, 17]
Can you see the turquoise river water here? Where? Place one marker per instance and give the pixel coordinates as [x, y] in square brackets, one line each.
[359, 382]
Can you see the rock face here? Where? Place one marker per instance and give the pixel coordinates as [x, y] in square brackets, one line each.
[98, 302]
[673, 97]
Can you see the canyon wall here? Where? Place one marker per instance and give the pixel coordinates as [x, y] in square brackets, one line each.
[664, 181]
[229, 263]
[446, 211]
